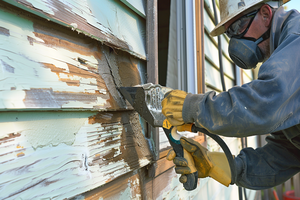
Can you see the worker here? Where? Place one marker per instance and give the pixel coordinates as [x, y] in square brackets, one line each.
[259, 31]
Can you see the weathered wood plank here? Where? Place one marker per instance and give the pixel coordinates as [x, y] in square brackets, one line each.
[57, 149]
[152, 41]
[200, 45]
[110, 22]
[129, 186]
[45, 66]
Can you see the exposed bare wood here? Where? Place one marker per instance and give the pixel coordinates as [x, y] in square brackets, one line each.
[152, 71]
[163, 165]
[200, 45]
[152, 42]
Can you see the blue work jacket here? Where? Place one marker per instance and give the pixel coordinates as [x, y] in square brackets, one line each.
[266, 105]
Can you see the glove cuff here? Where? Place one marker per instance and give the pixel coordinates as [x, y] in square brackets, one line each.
[190, 107]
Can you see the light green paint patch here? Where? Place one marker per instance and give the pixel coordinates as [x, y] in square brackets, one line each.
[137, 6]
[44, 5]
[136, 48]
[12, 99]
[20, 66]
[110, 17]
[126, 194]
[44, 128]
[18, 27]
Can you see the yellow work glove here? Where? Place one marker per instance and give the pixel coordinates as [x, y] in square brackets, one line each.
[172, 106]
[212, 164]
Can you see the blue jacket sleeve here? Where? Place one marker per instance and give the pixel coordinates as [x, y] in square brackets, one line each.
[265, 105]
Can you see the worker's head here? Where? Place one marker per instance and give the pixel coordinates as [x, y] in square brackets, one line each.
[247, 23]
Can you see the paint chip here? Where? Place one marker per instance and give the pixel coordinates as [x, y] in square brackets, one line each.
[7, 67]
[4, 31]
[75, 26]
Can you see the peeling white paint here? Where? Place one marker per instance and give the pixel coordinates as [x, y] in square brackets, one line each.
[56, 167]
[101, 101]
[25, 58]
[109, 16]
[143, 162]
[44, 5]
[74, 25]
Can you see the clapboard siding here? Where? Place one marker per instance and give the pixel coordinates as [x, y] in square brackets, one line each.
[212, 65]
[45, 66]
[58, 155]
[212, 78]
[64, 127]
[110, 22]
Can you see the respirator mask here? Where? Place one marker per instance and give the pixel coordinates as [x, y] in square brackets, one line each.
[244, 51]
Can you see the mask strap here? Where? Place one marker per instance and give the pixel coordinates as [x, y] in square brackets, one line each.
[262, 38]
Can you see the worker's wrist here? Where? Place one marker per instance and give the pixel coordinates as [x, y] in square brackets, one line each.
[191, 107]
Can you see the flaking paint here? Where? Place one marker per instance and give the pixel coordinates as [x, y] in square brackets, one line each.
[111, 18]
[26, 171]
[35, 63]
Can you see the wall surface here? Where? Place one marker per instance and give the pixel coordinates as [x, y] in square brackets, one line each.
[232, 77]
[65, 129]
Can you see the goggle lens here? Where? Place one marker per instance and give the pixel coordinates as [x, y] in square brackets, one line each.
[241, 25]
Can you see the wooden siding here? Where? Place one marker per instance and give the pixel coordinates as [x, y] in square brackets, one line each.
[138, 6]
[46, 66]
[110, 22]
[212, 66]
[65, 128]
[44, 153]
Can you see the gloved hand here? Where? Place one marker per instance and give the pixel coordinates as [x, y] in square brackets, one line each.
[212, 164]
[172, 106]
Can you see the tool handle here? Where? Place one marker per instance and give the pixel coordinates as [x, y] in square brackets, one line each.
[174, 139]
[223, 145]
[195, 129]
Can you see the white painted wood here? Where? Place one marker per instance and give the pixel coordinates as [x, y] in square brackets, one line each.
[246, 78]
[138, 6]
[123, 23]
[248, 72]
[208, 23]
[212, 77]
[110, 21]
[211, 51]
[58, 155]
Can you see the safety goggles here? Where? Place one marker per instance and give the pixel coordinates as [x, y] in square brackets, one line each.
[240, 27]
